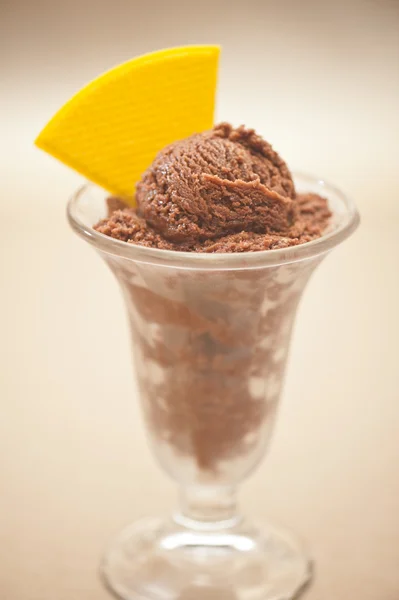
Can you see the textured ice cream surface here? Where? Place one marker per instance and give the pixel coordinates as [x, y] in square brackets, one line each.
[224, 190]
[215, 183]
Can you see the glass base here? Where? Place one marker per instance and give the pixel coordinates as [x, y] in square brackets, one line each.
[165, 560]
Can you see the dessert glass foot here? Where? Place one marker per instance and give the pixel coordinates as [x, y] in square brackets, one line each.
[163, 560]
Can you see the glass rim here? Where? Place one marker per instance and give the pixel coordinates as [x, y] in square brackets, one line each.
[347, 223]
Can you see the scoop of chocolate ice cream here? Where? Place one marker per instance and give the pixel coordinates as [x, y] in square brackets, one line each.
[217, 183]
[224, 190]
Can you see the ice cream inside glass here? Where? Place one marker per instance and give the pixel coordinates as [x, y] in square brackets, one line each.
[212, 263]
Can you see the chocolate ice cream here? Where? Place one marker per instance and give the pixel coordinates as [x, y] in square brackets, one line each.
[211, 344]
[224, 190]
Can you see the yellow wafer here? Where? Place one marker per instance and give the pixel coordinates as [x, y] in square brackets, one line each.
[111, 130]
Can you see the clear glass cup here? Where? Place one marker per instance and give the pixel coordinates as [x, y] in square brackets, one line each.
[210, 336]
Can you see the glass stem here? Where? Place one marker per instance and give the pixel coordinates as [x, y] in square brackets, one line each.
[207, 507]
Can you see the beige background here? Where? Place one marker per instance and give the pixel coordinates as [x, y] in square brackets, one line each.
[320, 80]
